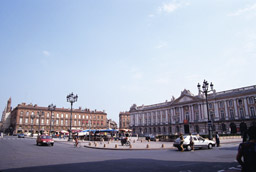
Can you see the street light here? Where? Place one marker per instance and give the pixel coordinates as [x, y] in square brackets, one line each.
[206, 90]
[51, 108]
[40, 113]
[32, 123]
[71, 98]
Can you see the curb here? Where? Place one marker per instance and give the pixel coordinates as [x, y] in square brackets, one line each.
[125, 149]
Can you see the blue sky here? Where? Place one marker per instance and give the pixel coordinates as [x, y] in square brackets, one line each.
[116, 53]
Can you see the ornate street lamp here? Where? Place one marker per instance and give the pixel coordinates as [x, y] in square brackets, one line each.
[71, 98]
[51, 108]
[206, 90]
[32, 123]
[40, 113]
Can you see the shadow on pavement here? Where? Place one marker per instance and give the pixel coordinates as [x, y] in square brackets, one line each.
[131, 165]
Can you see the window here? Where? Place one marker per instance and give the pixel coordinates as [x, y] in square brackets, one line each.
[251, 100]
[21, 120]
[31, 120]
[79, 123]
[66, 122]
[66, 115]
[86, 116]
[57, 122]
[74, 123]
[27, 113]
[196, 107]
[230, 103]
[79, 116]
[83, 116]
[222, 114]
[57, 115]
[210, 105]
[26, 120]
[221, 104]
[240, 102]
[48, 114]
[21, 113]
[62, 115]
[241, 111]
[61, 122]
[42, 122]
[75, 116]
[47, 121]
[231, 113]
[37, 121]
[252, 110]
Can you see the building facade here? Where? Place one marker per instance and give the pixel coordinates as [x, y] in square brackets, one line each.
[111, 124]
[6, 117]
[28, 118]
[124, 120]
[231, 111]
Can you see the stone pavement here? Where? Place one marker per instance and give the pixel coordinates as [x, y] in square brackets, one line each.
[140, 144]
[136, 144]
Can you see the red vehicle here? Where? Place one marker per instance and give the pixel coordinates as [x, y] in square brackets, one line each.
[44, 140]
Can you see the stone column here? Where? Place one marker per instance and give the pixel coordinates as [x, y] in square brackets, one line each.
[246, 108]
[226, 110]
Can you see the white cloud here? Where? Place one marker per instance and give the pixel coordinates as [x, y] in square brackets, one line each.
[46, 53]
[171, 6]
[250, 10]
[161, 45]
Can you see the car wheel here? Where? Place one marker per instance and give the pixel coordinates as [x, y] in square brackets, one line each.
[210, 146]
[51, 144]
[189, 148]
[37, 143]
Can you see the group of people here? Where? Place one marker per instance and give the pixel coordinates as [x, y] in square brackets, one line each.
[246, 155]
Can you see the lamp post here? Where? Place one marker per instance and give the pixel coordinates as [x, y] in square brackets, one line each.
[32, 123]
[40, 113]
[205, 91]
[71, 98]
[51, 108]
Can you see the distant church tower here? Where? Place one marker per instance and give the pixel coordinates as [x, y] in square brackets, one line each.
[9, 105]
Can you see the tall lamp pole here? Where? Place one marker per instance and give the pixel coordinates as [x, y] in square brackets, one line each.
[205, 91]
[40, 113]
[71, 98]
[51, 108]
[32, 123]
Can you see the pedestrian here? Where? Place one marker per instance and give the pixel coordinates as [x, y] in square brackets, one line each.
[76, 141]
[181, 142]
[217, 139]
[247, 150]
[191, 142]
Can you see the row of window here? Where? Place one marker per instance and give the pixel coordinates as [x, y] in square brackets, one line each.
[66, 115]
[230, 103]
[60, 122]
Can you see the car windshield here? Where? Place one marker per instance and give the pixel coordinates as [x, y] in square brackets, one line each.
[46, 137]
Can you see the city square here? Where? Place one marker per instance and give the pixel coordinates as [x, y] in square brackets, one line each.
[128, 86]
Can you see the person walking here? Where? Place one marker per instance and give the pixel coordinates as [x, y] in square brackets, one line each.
[181, 142]
[247, 151]
[217, 139]
[245, 136]
[191, 143]
[76, 141]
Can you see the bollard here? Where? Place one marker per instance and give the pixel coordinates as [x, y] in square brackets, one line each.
[147, 146]
[90, 143]
[105, 145]
[148, 140]
[133, 141]
[162, 146]
[108, 142]
[130, 146]
[115, 145]
[141, 141]
[96, 144]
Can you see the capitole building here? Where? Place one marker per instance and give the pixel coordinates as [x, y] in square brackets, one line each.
[231, 112]
[25, 118]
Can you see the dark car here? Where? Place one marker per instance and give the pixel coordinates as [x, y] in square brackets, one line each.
[21, 135]
[150, 137]
[44, 140]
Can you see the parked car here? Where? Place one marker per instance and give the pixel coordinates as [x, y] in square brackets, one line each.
[21, 135]
[199, 142]
[44, 140]
[150, 137]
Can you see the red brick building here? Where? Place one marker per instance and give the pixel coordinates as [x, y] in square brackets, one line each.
[25, 118]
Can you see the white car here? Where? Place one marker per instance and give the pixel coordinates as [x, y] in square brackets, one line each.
[199, 142]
